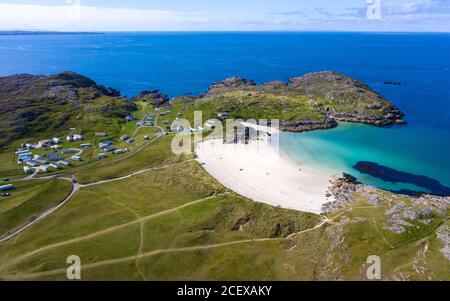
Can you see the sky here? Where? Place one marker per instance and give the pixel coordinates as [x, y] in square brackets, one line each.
[229, 15]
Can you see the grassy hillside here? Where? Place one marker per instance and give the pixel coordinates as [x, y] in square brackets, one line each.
[29, 199]
[313, 101]
[158, 216]
[176, 222]
[43, 106]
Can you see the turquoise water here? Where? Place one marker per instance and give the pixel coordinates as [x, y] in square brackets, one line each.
[338, 150]
[181, 63]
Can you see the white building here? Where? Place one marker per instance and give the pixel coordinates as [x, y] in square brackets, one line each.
[69, 138]
[55, 165]
[210, 123]
[118, 152]
[42, 144]
[77, 137]
[31, 163]
[41, 160]
[27, 170]
[43, 168]
[56, 140]
[6, 187]
[64, 162]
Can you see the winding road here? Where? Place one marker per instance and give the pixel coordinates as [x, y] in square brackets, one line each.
[75, 188]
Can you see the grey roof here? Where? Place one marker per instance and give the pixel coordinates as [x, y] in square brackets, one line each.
[53, 156]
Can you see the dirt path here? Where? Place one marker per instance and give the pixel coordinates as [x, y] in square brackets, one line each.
[133, 174]
[106, 231]
[165, 251]
[381, 234]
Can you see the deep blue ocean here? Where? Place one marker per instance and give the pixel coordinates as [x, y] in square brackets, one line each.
[186, 63]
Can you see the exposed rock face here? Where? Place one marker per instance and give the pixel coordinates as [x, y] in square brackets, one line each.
[443, 233]
[391, 116]
[342, 189]
[277, 84]
[332, 85]
[230, 83]
[308, 125]
[360, 98]
[58, 87]
[155, 97]
[424, 209]
[313, 101]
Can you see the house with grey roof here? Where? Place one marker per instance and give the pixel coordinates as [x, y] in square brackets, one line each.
[53, 156]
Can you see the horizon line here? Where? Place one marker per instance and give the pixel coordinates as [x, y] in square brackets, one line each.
[220, 31]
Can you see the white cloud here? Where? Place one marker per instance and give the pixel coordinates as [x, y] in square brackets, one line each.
[73, 18]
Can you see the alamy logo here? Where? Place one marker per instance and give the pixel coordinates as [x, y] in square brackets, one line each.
[374, 268]
[374, 9]
[73, 272]
[235, 131]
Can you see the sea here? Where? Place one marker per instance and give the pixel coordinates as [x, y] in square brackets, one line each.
[186, 63]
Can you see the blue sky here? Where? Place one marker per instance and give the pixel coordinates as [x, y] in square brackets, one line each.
[217, 15]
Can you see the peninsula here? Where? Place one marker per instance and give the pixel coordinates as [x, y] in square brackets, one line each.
[87, 171]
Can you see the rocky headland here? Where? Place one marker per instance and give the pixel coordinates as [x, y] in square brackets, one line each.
[310, 102]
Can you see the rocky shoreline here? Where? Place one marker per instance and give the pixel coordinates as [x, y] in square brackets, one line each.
[391, 117]
[308, 125]
[401, 213]
[334, 96]
[315, 101]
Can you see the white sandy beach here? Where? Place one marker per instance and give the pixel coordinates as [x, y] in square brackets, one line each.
[259, 172]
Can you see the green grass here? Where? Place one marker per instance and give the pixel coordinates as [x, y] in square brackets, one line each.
[9, 164]
[157, 154]
[116, 221]
[251, 105]
[101, 207]
[362, 234]
[28, 200]
[178, 210]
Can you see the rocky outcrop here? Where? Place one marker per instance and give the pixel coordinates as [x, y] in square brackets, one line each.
[32, 105]
[443, 234]
[310, 102]
[58, 88]
[331, 84]
[399, 215]
[231, 83]
[389, 117]
[352, 100]
[155, 97]
[307, 125]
